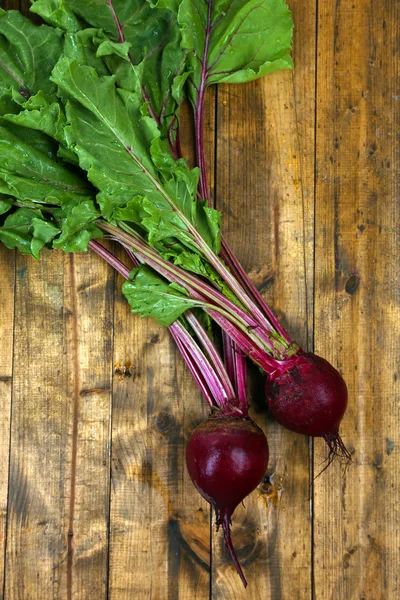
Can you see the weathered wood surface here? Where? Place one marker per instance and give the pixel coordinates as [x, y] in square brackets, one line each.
[58, 501]
[357, 516]
[95, 502]
[7, 270]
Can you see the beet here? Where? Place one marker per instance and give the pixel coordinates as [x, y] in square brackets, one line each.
[227, 458]
[310, 397]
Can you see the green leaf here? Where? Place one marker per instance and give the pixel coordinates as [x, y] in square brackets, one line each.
[237, 40]
[100, 15]
[196, 264]
[56, 13]
[161, 223]
[80, 46]
[188, 261]
[28, 174]
[114, 114]
[178, 87]
[172, 5]
[37, 140]
[30, 128]
[213, 226]
[7, 102]
[5, 204]
[162, 69]
[101, 130]
[181, 183]
[43, 114]
[107, 48]
[143, 26]
[124, 158]
[68, 156]
[78, 226]
[148, 39]
[26, 230]
[43, 233]
[28, 54]
[151, 296]
[15, 233]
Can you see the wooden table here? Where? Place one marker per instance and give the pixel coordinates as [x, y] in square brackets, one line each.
[95, 501]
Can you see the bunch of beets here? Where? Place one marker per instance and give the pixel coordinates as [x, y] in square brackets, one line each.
[90, 151]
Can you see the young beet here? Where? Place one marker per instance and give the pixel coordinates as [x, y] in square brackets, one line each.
[310, 397]
[227, 458]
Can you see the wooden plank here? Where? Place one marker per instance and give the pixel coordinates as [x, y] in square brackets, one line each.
[38, 500]
[88, 309]
[10, 5]
[265, 191]
[304, 75]
[7, 270]
[57, 542]
[357, 515]
[159, 543]
[160, 526]
[80, 515]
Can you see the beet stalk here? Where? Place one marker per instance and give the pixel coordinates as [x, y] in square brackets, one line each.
[305, 393]
[227, 454]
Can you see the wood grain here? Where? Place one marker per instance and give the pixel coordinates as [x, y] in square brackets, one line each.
[57, 541]
[302, 115]
[7, 270]
[88, 313]
[265, 191]
[154, 540]
[160, 544]
[38, 503]
[357, 517]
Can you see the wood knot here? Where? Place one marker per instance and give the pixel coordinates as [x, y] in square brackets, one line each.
[165, 422]
[352, 284]
[249, 546]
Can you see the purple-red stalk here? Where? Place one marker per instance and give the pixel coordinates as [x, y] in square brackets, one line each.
[209, 297]
[213, 382]
[304, 392]
[227, 455]
[235, 364]
[240, 274]
[193, 368]
[211, 351]
[120, 29]
[195, 324]
[268, 335]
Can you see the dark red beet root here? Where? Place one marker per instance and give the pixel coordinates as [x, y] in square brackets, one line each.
[311, 398]
[227, 459]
